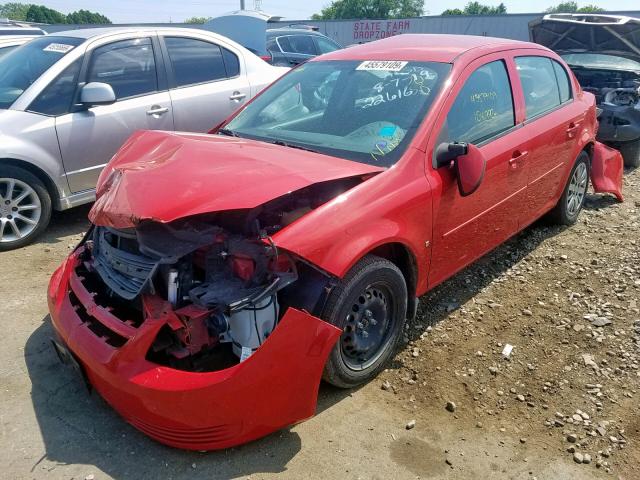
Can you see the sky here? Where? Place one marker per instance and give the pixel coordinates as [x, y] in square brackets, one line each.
[156, 11]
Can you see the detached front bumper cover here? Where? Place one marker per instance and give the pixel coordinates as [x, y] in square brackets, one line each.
[607, 169]
[274, 388]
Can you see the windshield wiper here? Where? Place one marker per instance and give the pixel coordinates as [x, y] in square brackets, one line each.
[293, 145]
[227, 132]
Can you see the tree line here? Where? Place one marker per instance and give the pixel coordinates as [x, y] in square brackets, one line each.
[348, 9]
[26, 12]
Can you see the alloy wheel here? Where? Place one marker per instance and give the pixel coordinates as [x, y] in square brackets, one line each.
[20, 210]
[577, 189]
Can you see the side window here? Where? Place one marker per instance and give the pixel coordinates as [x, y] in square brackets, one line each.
[57, 97]
[325, 45]
[564, 84]
[298, 44]
[195, 61]
[539, 84]
[483, 108]
[128, 66]
[231, 63]
[272, 45]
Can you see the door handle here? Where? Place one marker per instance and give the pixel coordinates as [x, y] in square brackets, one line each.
[573, 128]
[157, 110]
[237, 96]
[516, 157]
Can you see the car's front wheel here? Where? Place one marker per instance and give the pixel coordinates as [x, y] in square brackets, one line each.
[25, 207]
[369, 305]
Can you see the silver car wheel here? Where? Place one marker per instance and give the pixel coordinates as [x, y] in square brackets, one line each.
[577, 189]
[20, 210]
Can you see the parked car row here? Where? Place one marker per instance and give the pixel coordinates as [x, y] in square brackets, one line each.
[69, 101]
[225, 274]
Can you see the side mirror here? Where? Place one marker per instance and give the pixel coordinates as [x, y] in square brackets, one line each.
[469, 163]
[448, 152]
[470, 170]
[95, 93]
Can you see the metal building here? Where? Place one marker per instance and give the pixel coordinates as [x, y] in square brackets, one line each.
[348, 32]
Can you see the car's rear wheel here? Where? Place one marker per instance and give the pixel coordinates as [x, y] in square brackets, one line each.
[370, 306]
[631, 153]
[570, 205]
[25, 207]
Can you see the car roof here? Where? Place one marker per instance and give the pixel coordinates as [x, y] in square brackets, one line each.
[426, 47]
[88, 33]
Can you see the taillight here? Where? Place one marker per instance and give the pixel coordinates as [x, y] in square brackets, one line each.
[266, 58]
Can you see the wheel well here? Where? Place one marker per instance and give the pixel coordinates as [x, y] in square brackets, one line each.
[400, 255]
[589, 149]
[44, 178]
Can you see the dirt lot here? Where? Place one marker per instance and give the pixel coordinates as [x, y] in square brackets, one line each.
[568, 385]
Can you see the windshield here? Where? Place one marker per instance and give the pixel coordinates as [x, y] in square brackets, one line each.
[24, 65]
[363, 111]
[598, 60]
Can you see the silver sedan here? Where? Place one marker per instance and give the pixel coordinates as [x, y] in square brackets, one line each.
[68, 101]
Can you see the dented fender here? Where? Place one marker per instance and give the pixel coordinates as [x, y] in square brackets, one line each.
[607, 168]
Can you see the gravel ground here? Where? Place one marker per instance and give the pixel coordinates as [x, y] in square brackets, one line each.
[563, 404]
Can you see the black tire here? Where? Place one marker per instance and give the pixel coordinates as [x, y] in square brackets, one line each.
[562, 214]
[631, 153]
[21, 175]
[375, 285]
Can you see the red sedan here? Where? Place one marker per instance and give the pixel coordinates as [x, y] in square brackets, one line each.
[226, 274]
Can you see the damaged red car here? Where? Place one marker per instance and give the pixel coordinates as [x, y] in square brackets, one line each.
[226, 274]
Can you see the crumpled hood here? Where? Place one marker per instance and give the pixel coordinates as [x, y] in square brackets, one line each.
[593, 33]
[163, 176]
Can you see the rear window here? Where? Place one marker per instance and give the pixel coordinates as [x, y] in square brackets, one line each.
[325, 45]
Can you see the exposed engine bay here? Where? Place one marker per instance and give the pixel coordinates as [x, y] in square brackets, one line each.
[610, 87]
[226, 281]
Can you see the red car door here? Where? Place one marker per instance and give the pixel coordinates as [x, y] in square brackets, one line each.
[552, 124]
[483, 110]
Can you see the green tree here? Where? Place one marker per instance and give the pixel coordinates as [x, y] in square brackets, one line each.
[87, 17]
[14, 11]
[591, 9]
[340, 9]
[197, 20]
[572, 7]
[42, 14]
[477, 8]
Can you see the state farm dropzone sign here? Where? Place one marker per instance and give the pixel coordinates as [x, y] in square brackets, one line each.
[377, 29]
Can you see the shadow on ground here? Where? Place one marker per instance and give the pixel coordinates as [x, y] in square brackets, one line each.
[446, 298]
[68, 222]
